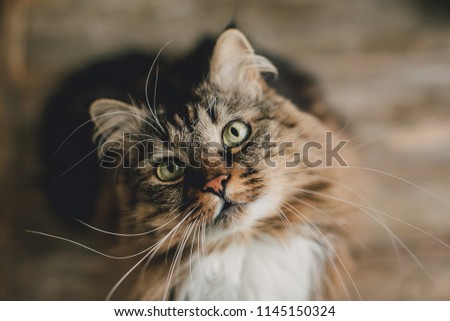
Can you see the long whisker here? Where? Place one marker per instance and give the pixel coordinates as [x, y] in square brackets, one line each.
[148, 256]
[114, 288]
[414, 257]
[330, 258]
[146, 86]
[178, 255]
[361, 206]
[156, 87]
[204, 249]
[124, 234]
[70, 135]
[378, 129]
[346, 124]
[173, 232]
[171, 239]
[82, 125]
[365, 201]
[288, 225]
[330, 246]
[82, 159]
[196, 236]
[403, 180]
[100, 146]
[375, 171]
[86, 247]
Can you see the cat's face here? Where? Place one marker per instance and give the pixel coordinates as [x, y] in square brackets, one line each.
[216, 163]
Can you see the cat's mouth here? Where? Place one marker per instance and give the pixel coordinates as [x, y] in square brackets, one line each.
[226, 209]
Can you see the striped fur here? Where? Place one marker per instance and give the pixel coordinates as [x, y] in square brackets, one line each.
[276, 238]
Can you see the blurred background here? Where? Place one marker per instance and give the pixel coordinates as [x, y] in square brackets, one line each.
[384, 66]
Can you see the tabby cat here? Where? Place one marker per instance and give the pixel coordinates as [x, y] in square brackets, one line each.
[215, 187]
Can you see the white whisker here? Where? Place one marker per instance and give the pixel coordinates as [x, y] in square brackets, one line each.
[86, 247]
[151, 253]
[330, 246]
[125, 234]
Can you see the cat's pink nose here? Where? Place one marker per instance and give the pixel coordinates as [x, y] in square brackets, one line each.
[216, 185]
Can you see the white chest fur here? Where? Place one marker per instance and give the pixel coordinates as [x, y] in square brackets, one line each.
[264, 269]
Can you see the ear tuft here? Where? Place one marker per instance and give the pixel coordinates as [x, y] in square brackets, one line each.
[235, 67]
[113, 118]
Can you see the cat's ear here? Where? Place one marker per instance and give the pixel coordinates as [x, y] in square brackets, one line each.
[235, 67]
[113, 119]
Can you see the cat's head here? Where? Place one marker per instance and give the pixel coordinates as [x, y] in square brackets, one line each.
[217, 163]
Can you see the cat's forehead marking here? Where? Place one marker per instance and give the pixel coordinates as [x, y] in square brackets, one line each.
[207, 130]
[202, 122]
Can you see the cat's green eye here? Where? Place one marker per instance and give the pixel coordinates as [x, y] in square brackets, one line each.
[235, 133]
[169, 170]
